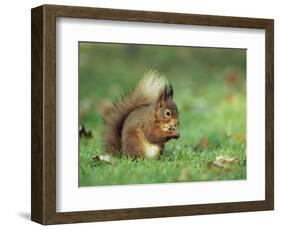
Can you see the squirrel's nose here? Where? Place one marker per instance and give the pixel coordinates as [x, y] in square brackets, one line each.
[177, 135]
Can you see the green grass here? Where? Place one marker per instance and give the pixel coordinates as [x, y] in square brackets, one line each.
[210, 91]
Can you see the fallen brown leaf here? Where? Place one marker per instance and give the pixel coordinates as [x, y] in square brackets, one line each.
[240, 137]
[216, 167]
[232, 77]
[184, 174]
[222, 163]
[103, 158]
[221, 159]
[231, 98]
[85, 133]
[202, 144]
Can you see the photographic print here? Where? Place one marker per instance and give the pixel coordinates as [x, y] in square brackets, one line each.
[161, 114]
[174, 109]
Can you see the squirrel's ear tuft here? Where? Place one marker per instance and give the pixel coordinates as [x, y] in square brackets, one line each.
[166, 94]
[169, 92]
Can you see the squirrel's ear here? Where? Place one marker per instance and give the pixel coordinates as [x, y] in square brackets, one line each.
[169, 92]
[160, 100]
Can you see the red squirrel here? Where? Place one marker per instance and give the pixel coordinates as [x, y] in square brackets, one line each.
[141, 122]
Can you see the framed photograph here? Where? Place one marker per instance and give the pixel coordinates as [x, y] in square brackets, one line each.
[140, 114]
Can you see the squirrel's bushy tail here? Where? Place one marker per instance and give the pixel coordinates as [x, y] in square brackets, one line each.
[146, 92]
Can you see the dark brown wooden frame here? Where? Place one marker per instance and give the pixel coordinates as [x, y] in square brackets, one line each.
[43, 160]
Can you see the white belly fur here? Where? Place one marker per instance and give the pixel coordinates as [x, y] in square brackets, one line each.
[151, 151]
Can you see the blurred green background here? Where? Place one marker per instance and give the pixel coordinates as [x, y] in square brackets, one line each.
[210, 91]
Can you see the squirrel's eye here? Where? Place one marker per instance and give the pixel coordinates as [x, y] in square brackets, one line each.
[168, 113]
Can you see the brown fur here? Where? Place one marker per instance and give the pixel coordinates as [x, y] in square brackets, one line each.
[137, 124]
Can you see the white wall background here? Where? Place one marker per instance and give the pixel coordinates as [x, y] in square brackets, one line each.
[15, 113]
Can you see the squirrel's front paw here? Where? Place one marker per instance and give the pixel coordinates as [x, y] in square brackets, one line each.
[174, 133]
